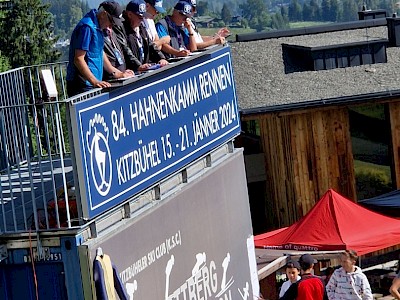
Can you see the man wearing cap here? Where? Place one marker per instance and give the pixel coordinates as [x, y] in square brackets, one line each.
[205, 41]
[179, 30]
[115, 45]
[138, 39]
[309, 287]
[86, 55]
[154, 7]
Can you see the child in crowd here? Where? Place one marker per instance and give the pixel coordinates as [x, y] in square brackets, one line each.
[292, 269]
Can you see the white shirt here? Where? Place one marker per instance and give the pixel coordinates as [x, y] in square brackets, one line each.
[150, 28]
[285, 286]
[197, 35]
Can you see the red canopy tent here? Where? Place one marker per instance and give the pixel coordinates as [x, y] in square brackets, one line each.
[335, 223]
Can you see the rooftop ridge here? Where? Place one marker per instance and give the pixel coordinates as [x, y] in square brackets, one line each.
[248, 37]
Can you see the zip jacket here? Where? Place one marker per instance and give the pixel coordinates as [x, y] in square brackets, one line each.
[349, 286]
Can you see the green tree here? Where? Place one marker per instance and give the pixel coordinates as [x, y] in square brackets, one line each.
[226, 14]
[252, 9]
[334, 11]
[4, 63]
[66, 15]
[285, 14]
[244, 23]
[295, 11]
[202, 8]
[278, 21]
[307, 12]
[255, 11]
[260, 22]
[325, 10]
[28, 38]
[350, 11]
[315, 10]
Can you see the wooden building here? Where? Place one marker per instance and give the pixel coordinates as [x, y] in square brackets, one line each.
[320, 109]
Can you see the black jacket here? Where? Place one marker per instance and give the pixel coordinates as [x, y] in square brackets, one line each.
[132, 62]
[151, 54]
[111, 45]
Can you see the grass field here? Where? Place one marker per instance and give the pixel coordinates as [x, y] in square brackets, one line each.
[234, 31]
[362, 166]
[374, 111]
[307, 24]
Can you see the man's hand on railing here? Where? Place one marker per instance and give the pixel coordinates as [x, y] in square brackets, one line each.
[128, 73]
[101, 84]
[182, 53]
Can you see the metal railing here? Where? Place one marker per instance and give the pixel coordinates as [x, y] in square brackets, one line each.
[36, 189]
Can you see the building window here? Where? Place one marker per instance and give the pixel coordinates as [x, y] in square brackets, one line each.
[250, 137]
[370, 137]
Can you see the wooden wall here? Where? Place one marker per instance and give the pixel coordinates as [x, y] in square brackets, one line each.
[306, 153]
[394, 114]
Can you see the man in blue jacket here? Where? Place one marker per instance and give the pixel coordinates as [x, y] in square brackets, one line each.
[86, 56]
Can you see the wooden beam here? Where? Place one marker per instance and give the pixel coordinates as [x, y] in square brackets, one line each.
[272, 267]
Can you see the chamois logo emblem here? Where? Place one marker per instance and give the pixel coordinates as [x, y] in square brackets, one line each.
[100, 157]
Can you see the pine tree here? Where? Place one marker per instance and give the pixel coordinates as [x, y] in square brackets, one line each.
[350, 11]
[66, 15]
[315, 10]
[326, 10]
[295, 11]
[28, 37]
[202, 8]
[334, 11]
[226, 14]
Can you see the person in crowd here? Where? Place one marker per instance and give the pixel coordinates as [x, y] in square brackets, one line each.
[309, 287]
[205, 41]
[153, 8]
[138, 38]
[86, 55]
[349, 282]
[328, 273]
[113, 47]
[292, 270]
[177, 27]
[394, 288]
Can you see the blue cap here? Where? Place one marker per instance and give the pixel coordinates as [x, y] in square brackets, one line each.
[191, 2]
[184, 8]
[306, 260]
[137, 6]
[157, 4]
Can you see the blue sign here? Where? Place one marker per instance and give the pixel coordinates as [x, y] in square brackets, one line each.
[133, 140]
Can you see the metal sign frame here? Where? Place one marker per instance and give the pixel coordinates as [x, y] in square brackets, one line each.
[131, 139]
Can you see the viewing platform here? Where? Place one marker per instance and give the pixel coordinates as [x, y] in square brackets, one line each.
[67, 162]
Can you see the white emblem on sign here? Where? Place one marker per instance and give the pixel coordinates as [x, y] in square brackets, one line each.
[131, 288]
[100, 157]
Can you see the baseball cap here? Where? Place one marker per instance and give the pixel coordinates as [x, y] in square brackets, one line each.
[137, 6]
[307, 260]
[184, 8]
[114, 10]
[191, 2]
[292, 264]
[157, 4]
